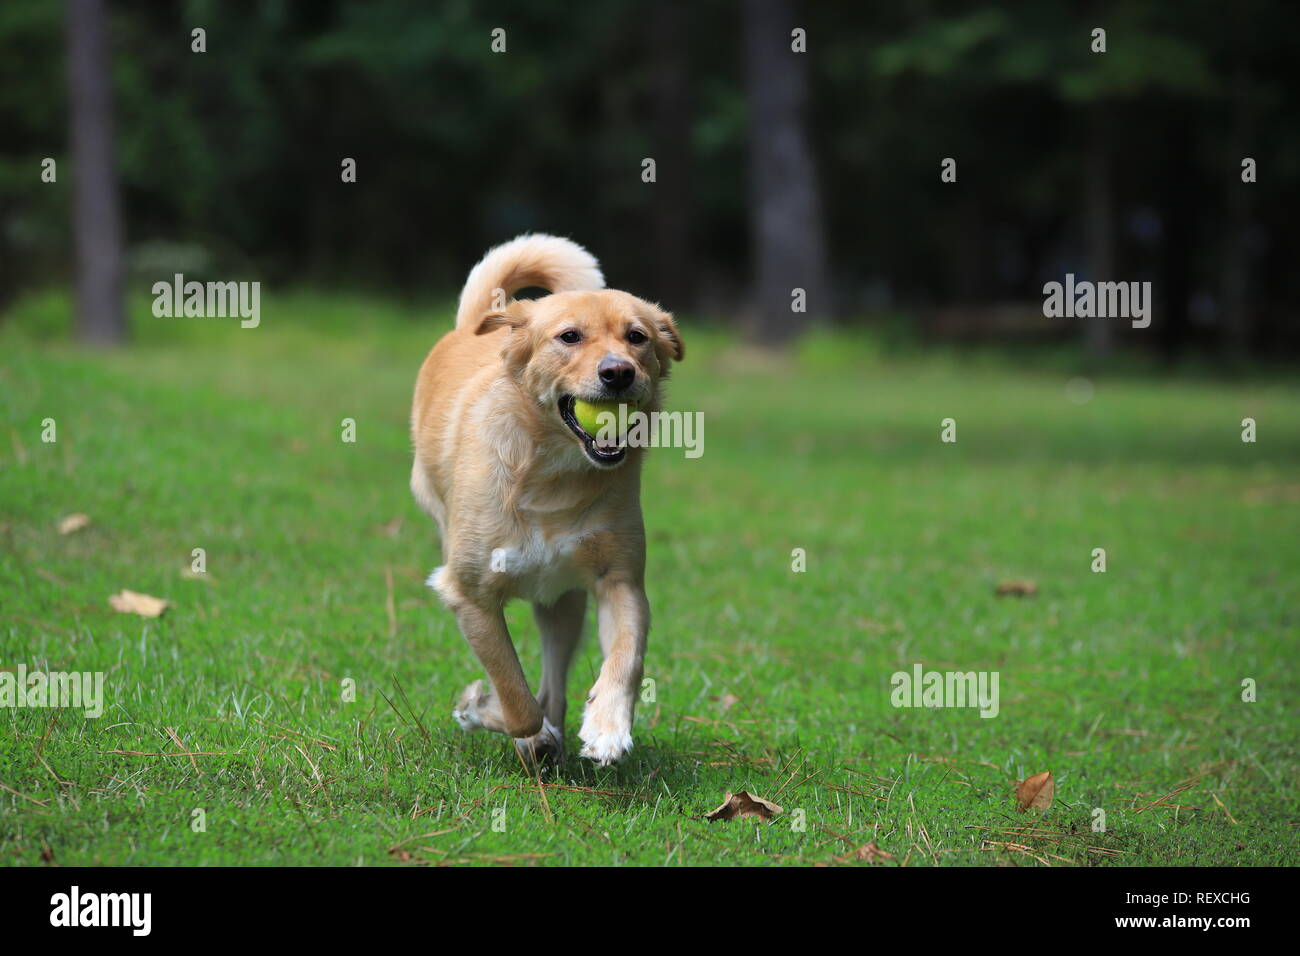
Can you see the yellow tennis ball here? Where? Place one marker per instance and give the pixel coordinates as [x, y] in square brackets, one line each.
[588, 413]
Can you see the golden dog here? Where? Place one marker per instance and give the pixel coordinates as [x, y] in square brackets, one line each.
[529, 504]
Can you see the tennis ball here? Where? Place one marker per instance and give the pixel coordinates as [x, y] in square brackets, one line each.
[588, 413]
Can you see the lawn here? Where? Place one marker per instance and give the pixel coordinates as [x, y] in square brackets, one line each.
[1126, 685]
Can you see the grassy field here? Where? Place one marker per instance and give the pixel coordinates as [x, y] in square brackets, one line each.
[1126, 685]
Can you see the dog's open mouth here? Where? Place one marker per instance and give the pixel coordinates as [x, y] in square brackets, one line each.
[604, 452]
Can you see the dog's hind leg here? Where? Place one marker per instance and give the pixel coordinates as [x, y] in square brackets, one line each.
[508, 707]
[560, 626]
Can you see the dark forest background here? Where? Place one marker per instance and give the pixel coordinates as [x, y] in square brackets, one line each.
[774, 169]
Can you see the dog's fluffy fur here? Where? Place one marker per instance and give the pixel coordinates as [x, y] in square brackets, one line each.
[529, 507]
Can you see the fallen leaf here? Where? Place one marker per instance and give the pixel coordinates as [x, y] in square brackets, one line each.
[1020, 587]
[868, 853]
[743, 804]
[73, 522]
[1036, 792]
[390, 529]
[130, 602]
[871, 853]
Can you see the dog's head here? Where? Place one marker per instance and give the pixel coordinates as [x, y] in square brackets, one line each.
[604, 346]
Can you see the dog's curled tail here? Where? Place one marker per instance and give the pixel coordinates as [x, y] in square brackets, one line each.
[534, 259]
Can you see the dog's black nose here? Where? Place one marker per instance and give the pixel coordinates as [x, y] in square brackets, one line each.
[615, 373]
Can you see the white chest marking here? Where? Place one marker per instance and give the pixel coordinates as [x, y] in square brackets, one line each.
[542, 568]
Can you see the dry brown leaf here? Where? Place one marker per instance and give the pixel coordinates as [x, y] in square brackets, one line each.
[871, 853]
[390, 529]
[743, 804]
[131, 602]
[1020, 587]
[1036, 792]
[73, 522]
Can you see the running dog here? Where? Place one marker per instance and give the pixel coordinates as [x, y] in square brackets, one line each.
[530, 505]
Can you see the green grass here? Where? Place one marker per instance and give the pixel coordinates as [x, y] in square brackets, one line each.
[1126, 685]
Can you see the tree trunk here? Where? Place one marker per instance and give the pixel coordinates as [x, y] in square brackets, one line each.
[789, 250]
[1172, 322]
[1237, 325]
[671, 211]
[96, 220]
[1099, 226]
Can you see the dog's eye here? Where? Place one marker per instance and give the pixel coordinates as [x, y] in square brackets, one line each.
[570, 337]
[637, 337]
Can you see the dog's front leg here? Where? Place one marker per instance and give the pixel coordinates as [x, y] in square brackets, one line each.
[508, 707]
[624, 621]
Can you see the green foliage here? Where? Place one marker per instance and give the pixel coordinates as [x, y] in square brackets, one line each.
[236, 152]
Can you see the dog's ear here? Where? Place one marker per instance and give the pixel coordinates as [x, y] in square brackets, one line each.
[518, 345]
[668, 343]
[514, 316]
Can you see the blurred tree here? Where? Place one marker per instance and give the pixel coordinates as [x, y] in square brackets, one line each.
[1244, 96]
[1142, 58]
[1099, 216]
[1050, 44]
[788, 246]
[667, 49]
[97, 228]
[1125, 162]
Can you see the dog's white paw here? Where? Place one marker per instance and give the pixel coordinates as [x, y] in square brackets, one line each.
[605, 748]
[466, 711]
[606, 730]
[545, 746]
